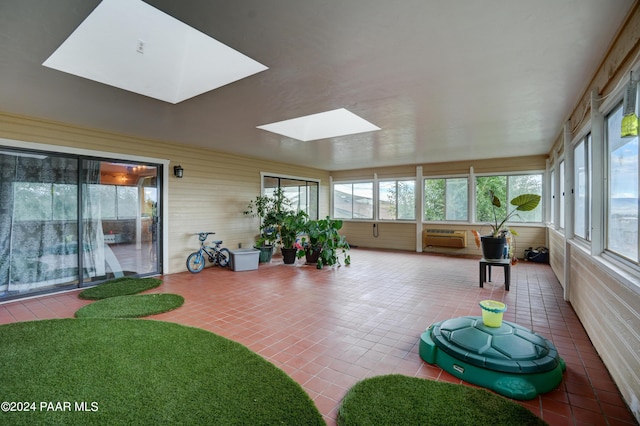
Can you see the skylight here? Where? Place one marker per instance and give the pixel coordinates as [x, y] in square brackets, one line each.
[329, 124]
[133, 46]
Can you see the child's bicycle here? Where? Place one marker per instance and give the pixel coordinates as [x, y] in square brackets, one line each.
[215, 253]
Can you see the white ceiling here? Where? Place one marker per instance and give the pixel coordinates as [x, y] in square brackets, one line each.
[444, 80]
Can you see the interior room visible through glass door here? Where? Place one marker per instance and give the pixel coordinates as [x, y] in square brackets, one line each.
[120, 219]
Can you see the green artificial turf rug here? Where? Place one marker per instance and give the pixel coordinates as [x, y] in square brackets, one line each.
[135, 306]
[140, 372]
[403, 400]
[119, 287]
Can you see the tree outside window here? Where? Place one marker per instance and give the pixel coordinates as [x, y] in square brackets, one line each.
[302, 193]
[484, 208]
[446, 199]
[506, 188]
[397, 200]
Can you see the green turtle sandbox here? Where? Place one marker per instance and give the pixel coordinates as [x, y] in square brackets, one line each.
[510, 360]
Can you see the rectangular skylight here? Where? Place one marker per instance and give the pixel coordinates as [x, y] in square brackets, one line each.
[133, 46]
[329, 124]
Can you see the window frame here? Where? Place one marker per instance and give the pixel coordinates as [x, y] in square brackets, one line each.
[509, 175]
[561, 193]
[552, 197]
[586, 144]
[613, 252]
[309, 204]
[377, 189]
[354, 182]
[446, 178]
[471, 198]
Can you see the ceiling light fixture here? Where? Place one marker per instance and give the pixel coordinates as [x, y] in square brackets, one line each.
[629, 127]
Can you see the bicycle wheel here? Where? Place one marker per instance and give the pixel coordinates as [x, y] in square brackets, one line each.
[195, 262]
[223, 257]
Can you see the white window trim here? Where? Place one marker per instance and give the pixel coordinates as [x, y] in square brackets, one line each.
[345, 181]
[522, 173]
[376, 194]
[471, 208]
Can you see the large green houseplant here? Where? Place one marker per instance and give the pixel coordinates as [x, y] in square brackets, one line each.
[271, 211]
[323, 244]
[292, 224]
[493, 244]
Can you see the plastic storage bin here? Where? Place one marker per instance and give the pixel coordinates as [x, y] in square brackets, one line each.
[244, 259]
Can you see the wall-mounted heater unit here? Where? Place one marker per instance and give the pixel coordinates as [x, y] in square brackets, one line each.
[445, 238]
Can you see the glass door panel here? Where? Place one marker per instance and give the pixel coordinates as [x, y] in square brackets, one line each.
[38, 223]
[120, 222]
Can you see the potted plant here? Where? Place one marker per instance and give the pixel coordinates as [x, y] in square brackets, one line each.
[310, 244]
[493, 245]
[270, 210]
[290, 226]
[323, 243]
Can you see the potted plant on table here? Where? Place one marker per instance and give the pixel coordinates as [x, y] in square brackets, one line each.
[323, 243]
[493, 244]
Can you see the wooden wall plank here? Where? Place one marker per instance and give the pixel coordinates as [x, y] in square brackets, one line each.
[609, 310]
[557, 254]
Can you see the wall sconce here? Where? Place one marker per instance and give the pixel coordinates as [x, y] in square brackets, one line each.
[178, 171]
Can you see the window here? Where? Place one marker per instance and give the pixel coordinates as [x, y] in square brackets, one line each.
[446, 199]
[506, 188]
[397, 200]
[353, 200]
[561, 177]
[622, 202]
[582, 192]
[54, 201]
[552, 210]
[302, 193]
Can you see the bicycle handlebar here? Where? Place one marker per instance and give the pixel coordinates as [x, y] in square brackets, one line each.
[202, 236]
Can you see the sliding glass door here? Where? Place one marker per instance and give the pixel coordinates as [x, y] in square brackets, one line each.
[120, 219]
[67, 221]
[38, 222]
[302, 193]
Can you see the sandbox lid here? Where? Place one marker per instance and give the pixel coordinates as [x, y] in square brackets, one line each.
[509, 348]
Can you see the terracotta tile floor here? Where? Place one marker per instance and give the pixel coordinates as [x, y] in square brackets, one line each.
[330, 328]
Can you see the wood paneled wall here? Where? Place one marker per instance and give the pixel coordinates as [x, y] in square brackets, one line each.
[402, 236]
[556, 254]
[503, 165]
[390, 235]
[528, 236]
[608, 305]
